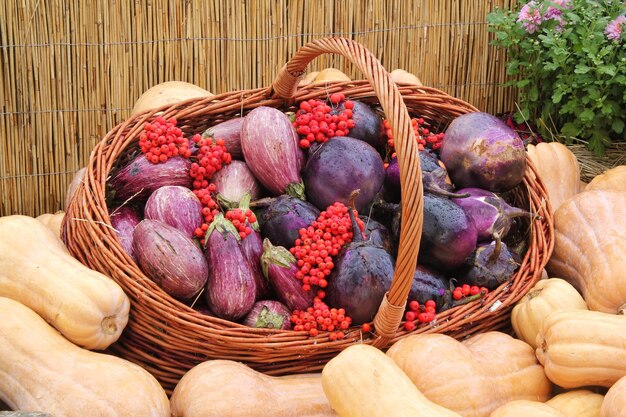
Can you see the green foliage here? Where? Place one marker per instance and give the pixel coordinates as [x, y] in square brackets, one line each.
[570, 76]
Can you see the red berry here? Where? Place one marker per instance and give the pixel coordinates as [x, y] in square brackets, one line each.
[414, 305]
[409, 326]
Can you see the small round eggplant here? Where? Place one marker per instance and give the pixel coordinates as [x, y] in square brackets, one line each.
[269, 314]
[233, 182]
[230, 132]
[339, 166]
[177, 206]
[428, 284]
[368, 126]
[284, 217]
[490, 213]
[377, 233]
[489, 266]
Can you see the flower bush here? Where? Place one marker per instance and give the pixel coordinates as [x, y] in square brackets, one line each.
[568, 60]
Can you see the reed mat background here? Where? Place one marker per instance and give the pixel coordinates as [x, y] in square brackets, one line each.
[70, 71]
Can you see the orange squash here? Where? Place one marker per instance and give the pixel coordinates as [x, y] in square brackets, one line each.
[524, 408]
[614, 404]
[53, 221]
[402, 76]
[169, 92]
[577, 403]
[473, 377]
[612, 179]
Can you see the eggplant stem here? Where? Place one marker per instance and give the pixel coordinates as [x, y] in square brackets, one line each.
[357, 235]
[496, 251]
[262, 202]
[469, 299]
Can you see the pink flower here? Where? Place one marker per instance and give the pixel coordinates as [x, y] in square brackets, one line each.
[613, 30]
[530, 17]
[555, 13]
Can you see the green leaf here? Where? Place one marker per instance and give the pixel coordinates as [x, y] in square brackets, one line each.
[586, 116]
[617, 125]
[557, 96]
[533, 94]
[523, 83]
[570, 129]
[581, 69]
[608, 70]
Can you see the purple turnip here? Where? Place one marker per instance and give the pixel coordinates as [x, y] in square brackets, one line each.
[231, 287]
[270, 146]
[489, 212]
[376, 233]
[429, 284]
[368, 126]
[362, 274]
[479, 150]
[170, 259]
[234, 181]
[230, 132]
[177, 206]
[269, 314]
[448, 234]
[279, 266]
[489, 266]
[140, 177]
[340, 166]
[124, 220]
[284, 217]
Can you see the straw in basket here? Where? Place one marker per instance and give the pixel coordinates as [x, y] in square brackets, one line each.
[168, 337]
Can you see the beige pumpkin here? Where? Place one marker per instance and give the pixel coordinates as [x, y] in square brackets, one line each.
[559, 170]
[612, 179]
[308, 78]
[577, 403]
[167, 93]
[473, 377]
[580, 348]
[219, 388]
[53, 221]
[87, 307]
[524, 408]
[41, 370]
[614, 404]
[590, 243]
[402, 76]
[546, 296]
[330, 74]
[364, 382]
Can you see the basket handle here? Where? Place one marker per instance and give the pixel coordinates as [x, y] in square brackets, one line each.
[391, 310]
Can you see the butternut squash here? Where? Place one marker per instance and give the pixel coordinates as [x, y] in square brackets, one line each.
[546, 296]
[473, 377]
[364, 382]
[87, 307]
[53, 221]
[525, 408]
[559, 170]
[614, 404]
[611, 179]
[224, 388]
[577, 403]
[590, 242]
[579, 348]
[41, 370]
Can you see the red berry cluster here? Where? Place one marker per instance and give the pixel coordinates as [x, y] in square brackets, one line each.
[321, 241]
[212, 155]
[161, 140]
[315, 123]
[241, 220]
[423, 135]
[320, 317]
[466, 290]
[423, 313]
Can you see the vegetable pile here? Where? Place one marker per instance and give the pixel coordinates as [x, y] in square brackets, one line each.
[290, 220]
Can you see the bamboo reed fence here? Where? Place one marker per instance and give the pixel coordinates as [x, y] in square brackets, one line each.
[70, 71]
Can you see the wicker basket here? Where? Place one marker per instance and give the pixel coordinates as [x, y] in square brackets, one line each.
[167, 337]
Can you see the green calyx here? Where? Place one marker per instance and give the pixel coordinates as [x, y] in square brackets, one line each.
[223, 226]
[276, 255]
[296, 189]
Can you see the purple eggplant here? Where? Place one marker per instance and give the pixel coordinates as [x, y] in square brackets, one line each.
[376, 233]
[271, 148]
[177, 206]
[230, 132]
[269, 314]
[340, 166]
[140, 177]
[362, 274]
[279, 267]
[284, 217]
[489, 212]
[490, 265]
[124, 220]
[448, 234]
[480, 150]
[170, 259]
[231, 287]
[252, 248]
[368, 126]
[429, 284]
[434, 178]
[233, 182]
